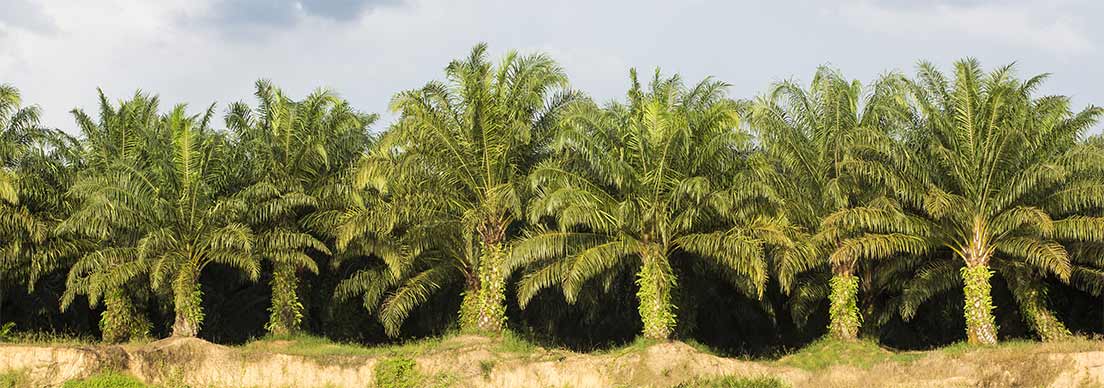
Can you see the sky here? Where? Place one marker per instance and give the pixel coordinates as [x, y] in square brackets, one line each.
[57, 52]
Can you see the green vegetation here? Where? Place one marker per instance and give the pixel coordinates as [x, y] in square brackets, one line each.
[829, 352]
[106, 380]
[809, 136]
[14, 379]
[734, 382]
[911, 211]
[6, 331]
[295, 152]
[398, 373]
[320, 347]
[635, 184]
[486, 367]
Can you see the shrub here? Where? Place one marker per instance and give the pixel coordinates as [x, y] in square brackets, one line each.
[397, 373]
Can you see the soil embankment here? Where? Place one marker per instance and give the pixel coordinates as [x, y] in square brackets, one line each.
[469, 361]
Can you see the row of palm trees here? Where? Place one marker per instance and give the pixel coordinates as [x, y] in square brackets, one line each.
[903, 189]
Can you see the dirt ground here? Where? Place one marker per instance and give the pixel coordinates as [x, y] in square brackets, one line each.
[471, 361]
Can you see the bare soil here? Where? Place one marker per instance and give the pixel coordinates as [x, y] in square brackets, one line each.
[471, 361]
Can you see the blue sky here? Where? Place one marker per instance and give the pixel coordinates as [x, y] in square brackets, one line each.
[201, 51]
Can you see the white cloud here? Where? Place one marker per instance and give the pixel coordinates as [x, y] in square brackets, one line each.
[1017, 24]
[169, 47]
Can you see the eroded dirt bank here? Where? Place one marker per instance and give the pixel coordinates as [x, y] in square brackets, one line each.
[468, 361]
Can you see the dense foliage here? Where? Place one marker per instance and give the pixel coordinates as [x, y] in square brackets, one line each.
[915, 211]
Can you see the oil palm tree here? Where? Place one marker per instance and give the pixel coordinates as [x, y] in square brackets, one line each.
[990, 178]
[117, 144]
[169, 209]
[17, 125]
[452, 175]
[806, 136]
[638, 185]
[295, 150]
[35, 249]
[35, 169]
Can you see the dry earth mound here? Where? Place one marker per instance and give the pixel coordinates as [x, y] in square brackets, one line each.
[471, 361]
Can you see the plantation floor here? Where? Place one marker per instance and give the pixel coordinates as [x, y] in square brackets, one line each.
[471, 361]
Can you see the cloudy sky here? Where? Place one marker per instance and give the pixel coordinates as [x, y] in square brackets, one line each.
[201, 51]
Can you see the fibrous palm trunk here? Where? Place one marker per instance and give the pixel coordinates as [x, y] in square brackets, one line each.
[1033, 305]
[187, 300]
[286, 312]
[121, 320]
[656, 282]
[981, 326]
[843, 308]
[484, 309]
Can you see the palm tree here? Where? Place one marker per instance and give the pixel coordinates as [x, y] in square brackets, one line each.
[638, 185]
[35, 249]
[806, 135]
[295, 150]
[35, 169]
[989, 174]
[17, 124]
[452, 171]
[116, 145]
[170, 210]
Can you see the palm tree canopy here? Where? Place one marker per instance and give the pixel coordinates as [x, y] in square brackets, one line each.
[451, 173]
[664, 173]
[989, 173]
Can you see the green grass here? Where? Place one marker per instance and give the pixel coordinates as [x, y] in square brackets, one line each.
[6, 331]
[512, 343]
[320, 347]
[46, 338]
[312, 346]
[486, 367]
[827, 352]
[734, 382]
[1070, 345]
[106, 380]
[62, 339]
[14, 379]
[638, 345]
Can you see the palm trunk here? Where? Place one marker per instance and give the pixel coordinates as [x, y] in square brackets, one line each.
[187, 300]
[656, 282]
[844, 308]
[981, 328]
[485, 299]
[286, 312]
[469, 306]
[121, 320]
[484, 304]
[1039, 317]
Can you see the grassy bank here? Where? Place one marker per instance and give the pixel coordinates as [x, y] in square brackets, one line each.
[465, 360]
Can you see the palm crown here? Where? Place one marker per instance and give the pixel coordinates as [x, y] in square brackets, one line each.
[636, 185]
[36, 166]
[990, 175]
[297, 149]
[452, 170]
[159, 212]
[807, 137]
